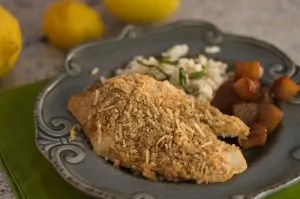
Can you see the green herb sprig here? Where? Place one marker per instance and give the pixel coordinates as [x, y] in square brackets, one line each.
[183, 80]
[198, 74]
[153, 66]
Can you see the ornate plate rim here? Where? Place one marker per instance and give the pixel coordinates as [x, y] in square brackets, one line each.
[132, 32]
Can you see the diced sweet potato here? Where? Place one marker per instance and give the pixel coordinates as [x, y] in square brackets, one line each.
[225, 98]
[284, 88]
[250, 69]
[247, 89]
[247, 112]
[266, 96]
[257, 137]
[269, 115]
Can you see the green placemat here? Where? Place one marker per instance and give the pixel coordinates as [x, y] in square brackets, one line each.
[31, 175]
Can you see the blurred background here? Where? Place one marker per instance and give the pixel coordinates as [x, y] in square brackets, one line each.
[275, 21]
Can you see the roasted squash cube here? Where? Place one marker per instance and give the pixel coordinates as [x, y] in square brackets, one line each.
[257, 137]
[250, 69]
[247, 112]
[247, 89]
[284, 88]
[269, 115]
[225, 98]
[266, 95]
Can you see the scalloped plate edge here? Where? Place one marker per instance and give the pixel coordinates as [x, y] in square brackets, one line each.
[132, 32]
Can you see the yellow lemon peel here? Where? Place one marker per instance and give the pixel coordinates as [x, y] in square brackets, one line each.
[142, 11]
[10, 41]
[68, 23]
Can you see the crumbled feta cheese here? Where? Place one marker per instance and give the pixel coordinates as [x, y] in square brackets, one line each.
[189, 65]
[102, 79]
[212, 83]
[150, 61]
[94, 71]
[206, 91]
[205, 86]
[176, 52]
[212, 49]
[202, 60]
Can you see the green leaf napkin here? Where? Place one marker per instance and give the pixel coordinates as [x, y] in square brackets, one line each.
[30, 174]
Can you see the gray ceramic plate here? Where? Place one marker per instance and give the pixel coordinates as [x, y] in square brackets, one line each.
[270, 168]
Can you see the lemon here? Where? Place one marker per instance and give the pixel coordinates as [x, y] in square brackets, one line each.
[142, 11]
[68, 23]
[10, 41]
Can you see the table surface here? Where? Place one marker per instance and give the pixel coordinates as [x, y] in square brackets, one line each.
[275, 21]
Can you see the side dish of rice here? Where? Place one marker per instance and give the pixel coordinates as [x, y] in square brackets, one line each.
[198, 76]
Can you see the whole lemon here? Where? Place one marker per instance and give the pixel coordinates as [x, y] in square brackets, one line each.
[142, 11]
[68, 23]
[10, 41]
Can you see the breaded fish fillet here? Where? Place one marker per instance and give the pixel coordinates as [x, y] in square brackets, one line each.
[153, 127]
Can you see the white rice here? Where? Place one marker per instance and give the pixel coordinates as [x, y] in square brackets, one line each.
[199, 76]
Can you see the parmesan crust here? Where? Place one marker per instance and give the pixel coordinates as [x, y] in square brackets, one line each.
[145, 124]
